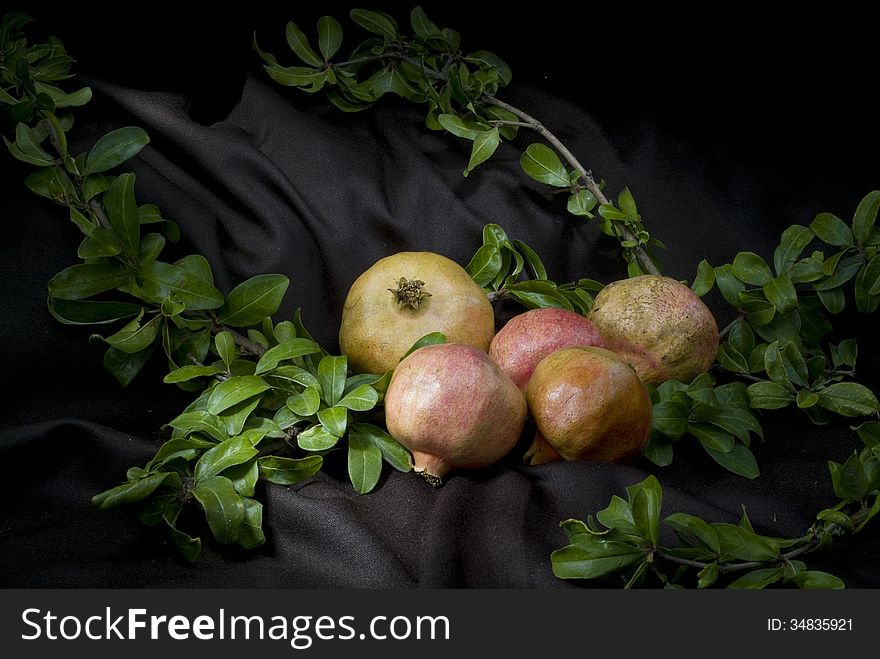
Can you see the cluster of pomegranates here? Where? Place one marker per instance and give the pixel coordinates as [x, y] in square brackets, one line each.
[464, 404]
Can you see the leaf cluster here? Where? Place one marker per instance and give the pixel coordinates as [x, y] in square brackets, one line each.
[779, 339]
[428, 67]
[510, 269]
[624, 542]
[719, 418]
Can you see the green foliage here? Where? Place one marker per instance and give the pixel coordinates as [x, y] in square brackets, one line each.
[457, 89]
[271, 403]
[780, 338]
[510, 269]
[719, 418]
[624, 543]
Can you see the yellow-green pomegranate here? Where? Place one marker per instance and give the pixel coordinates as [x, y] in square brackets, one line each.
[405, 296]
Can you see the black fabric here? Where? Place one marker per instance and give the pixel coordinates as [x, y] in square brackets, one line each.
[727, 129]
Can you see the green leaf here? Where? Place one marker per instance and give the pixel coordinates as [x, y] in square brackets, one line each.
[708, 575]
[694, 531]
[290, 349]
[490, 61]
[670, 418]
[375, 22]
[200, 421]
[86, 279]
[485, 265]
[848, 352]
[781, 292]
[468, 130]
[729, 286]
[532, 259]
[361, 399]
[738, 543]
[739, 460]
[731, 359]
[90, 312]
[233, 391]
[769, 396]
[164, 279]
[329, 36]
[289, 375]
[334, 419]
[536, 294]
[775, 367]
[421, 25]
[542, 164]
[758, 579]
[646, 504]
[582, 203]
[832, 230]
[297, 76]
[816, 580]
[484, 146]
[24, 157]
[659, 450]
[794, 240]
[123, 211]
[848, 268]
[738, 420]
[618, 516]
[289, 471]
[795, 365]
[306, 403]
[849, 399]
[115, 148]
[751, 269]
[704, 279]
[125, 366]
[593, 557]
[865, 217]
[834, 299]
[28, 142]
[712, 437]
[223, 506]
[230, 452]
[299, 44]
[251, 532]
[135, 337]
[225, 346]
[179, 448]
[869, 433]
[332, 371]
[129, 493]
[432, 339]
[253, 300]
[364, 463]
[392, 451]
[316, 438]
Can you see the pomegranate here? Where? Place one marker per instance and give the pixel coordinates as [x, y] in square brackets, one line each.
[658, 325]
[530, 336]
[588, 404]
[405, 296]
[453, 408]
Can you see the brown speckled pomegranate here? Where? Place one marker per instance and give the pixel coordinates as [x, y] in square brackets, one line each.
[658, 325]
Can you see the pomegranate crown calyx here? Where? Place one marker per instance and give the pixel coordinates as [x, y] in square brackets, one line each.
[409, 293]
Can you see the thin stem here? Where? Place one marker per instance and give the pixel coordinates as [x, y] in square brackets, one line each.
[240, 340]
[647, 264]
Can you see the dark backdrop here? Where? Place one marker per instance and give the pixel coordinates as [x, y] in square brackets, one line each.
[728, 124]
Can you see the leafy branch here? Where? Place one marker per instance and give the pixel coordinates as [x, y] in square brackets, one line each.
[272, 403]
[626, 543]
[459, 89]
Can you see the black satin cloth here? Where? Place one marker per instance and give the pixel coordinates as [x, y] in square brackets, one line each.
[726, 131]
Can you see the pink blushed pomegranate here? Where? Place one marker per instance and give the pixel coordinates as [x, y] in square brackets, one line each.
[529, 337]
[453, 408]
